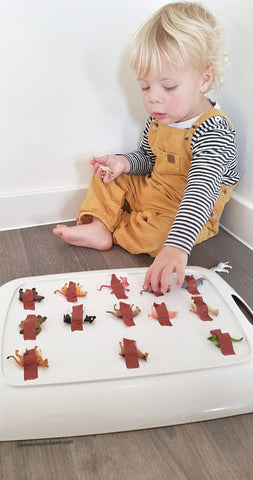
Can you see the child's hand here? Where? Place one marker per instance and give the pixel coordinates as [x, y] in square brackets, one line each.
[110, 167]
[169, 259]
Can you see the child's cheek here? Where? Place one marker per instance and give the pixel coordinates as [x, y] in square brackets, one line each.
[145, 102]
[173, 102]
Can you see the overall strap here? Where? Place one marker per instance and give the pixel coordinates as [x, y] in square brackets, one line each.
[209, 114]
[202, 118]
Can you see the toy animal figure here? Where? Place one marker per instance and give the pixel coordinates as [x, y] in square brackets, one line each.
[199, 281]
[117, 311]
[79, 291]
[88, 318]
[215, 312]
[157, 294]
[19, 359]
[144, 356]
[154, 314]
[105, 169]
[123, 281]
[224, 341]
[36, 297]
[118, 286]
[222, 267]
[214, 338]
[38, 321]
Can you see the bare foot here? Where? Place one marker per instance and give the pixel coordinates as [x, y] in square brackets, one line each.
[91, 235]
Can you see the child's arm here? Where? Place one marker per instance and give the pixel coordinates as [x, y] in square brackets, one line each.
[139, 162]
[142, 160]
[214, 160]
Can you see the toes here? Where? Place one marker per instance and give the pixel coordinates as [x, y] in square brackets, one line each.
[58, 230]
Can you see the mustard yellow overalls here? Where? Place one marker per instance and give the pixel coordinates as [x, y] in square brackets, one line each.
[139, 210]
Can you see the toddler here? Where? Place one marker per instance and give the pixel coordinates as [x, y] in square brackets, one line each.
[169, 194]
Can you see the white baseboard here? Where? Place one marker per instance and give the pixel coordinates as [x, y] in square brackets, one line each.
[237, 219]
[29, 209]
[62, 204]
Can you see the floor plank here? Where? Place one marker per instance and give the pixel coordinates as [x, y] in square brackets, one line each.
[14, 262]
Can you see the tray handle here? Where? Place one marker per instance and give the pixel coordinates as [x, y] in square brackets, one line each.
[242, 305]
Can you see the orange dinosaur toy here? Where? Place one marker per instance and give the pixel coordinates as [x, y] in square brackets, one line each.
[154, 314]
[79, 291]
[20, 358]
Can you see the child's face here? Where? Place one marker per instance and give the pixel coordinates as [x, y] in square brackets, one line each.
[175, 94]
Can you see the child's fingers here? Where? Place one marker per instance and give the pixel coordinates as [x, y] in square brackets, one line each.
[96, 161]
[107, 178]
[100, 160]
[101, 169]
[93, 161]
[165, 279]
[106, 175]
[180, 276]
[147, 280]
[152, 279]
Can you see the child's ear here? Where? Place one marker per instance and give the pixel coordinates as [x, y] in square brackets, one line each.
[207, 79]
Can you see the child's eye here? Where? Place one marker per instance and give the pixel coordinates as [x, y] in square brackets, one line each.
[170, 88]
[143, 89]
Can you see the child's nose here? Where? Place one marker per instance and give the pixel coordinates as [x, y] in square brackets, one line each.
[154, 96]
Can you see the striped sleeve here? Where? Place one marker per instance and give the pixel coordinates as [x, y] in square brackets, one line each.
[214, 161]
[142, 160]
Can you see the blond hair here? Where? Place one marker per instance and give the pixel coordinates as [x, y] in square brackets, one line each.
[182, 33]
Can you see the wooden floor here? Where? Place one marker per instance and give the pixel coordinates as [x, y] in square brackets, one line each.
[213, 450]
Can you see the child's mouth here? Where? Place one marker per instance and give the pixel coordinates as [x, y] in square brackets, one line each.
[159, 116]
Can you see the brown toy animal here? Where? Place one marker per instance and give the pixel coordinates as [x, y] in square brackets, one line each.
[36, 297]
[38, 321]
[139, 353]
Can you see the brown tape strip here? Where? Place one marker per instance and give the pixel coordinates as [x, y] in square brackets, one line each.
[71, 292]
[27, 299]
[30, 365]
[29, 328]
[202, 309]
[191, 285]
[117, 288]
[225, 342]
[162, 314]
[130, 351]
[127, 314]
[77, 318]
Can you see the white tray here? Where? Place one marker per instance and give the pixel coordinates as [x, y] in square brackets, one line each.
[87, 388]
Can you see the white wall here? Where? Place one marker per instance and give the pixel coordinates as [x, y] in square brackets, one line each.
[66, 92]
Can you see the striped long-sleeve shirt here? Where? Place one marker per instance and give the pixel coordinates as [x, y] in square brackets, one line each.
[214, 162]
